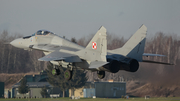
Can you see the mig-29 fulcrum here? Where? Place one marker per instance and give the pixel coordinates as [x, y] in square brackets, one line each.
[94, 57]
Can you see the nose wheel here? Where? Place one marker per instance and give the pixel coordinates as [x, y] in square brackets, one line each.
[101, 74]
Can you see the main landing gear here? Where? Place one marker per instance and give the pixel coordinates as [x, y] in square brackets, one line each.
[101, 74]
[67, 73]
[55, 70]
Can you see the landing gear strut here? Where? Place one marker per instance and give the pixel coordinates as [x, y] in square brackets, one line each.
[101, 74]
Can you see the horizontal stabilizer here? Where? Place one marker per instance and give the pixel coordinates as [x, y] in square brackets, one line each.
[149, 54]
[59, 56]
[97, 64]
[148, 61]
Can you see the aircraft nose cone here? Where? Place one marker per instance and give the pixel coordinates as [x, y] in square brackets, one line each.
[16, 42]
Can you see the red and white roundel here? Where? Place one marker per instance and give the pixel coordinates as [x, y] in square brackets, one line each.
[94, 45]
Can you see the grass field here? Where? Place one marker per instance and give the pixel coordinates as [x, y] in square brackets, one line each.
[98, 99]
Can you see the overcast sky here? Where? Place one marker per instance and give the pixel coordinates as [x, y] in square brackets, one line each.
[79, 18]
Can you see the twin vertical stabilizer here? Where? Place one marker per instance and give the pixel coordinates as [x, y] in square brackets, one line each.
[134, 47]
[96, 50]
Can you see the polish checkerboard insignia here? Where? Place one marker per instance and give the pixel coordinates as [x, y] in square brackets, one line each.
[94, 45]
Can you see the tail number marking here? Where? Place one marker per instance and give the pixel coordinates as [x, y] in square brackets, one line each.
[94, 45]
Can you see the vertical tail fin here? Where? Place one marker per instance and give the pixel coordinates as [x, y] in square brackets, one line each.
[134, 47]
[96, 50]
[99, 43]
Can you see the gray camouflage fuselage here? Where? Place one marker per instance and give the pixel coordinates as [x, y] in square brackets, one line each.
[94, 56]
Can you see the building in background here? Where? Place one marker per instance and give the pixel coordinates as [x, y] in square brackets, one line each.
[100, 89]
[1, 89]
[80, 91]
[34, 90]
[7, 93]
[35, 84]
[110, 89]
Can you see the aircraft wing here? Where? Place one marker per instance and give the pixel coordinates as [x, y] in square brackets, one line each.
[58, 56]
[149, 54]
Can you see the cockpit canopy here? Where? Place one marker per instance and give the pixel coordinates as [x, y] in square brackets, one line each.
[42, 32]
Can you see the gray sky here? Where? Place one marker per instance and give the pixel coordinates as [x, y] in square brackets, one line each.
[78, 18]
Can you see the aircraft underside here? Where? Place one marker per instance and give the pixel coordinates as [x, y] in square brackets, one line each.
[113, 67]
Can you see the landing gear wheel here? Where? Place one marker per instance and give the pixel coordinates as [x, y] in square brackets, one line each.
[68, 75]
[101, 74]
[55, 71]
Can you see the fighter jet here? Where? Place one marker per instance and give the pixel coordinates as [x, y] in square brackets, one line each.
[94, 57]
